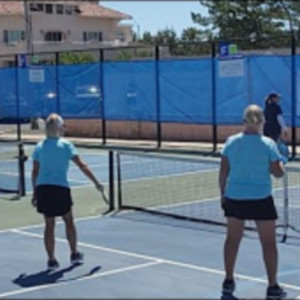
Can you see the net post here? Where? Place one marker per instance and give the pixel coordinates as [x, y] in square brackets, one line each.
[119, 181]
[111, 180]
[285, 207]
[22, 159]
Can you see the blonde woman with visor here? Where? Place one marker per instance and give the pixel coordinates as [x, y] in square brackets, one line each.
[247, 163]
[52, 194]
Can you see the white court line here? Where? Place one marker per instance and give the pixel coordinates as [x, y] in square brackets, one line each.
[83, 181]
[76, 186]
[161, 260]
[155, 177]
[43, 224]
[75, 168]
[10, 173]
[104, 274]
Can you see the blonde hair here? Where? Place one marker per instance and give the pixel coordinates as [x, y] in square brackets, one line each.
[254, 116]
[54, 125]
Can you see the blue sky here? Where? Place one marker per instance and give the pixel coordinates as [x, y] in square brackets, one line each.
[158, 15]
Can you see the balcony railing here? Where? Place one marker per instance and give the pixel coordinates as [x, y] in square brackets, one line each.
[44, 46]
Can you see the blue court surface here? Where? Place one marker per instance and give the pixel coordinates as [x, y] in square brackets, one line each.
[97, 162]
[135, 255]
[135, 258]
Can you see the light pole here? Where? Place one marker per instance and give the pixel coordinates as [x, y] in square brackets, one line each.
[29, 46]
[137, 27]
[28, 28]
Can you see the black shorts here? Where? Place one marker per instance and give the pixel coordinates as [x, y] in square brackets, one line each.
[262, 209]
[53, 200]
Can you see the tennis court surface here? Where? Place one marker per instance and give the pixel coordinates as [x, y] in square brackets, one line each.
[133, 254]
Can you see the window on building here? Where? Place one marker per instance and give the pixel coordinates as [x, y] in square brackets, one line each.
[120, 36]
[53, 36]
[36, 7]
[13, 36]
[92, 36]
[68, 9]
[77, 9]
[49, 8]
[59, 9]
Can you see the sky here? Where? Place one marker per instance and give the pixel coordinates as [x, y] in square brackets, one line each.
[157, 15]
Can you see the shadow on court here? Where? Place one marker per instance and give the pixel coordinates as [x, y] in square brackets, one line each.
[50, 277]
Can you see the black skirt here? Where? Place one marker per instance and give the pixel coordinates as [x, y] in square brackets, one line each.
[262, 209]
[53, 200]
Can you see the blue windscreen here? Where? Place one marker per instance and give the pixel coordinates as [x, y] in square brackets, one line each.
[196, 91]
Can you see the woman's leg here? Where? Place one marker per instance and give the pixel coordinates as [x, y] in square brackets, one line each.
[49, 240]
[235, 229]
[267, 235]
[70, 231]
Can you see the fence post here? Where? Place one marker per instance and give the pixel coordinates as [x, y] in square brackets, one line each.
[101, 61]
[294, 96]
[21, 154]
[57, 81]
[213, 96]
[157, 95]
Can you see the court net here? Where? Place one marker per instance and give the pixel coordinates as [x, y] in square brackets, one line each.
[12, 171]
[187, 188]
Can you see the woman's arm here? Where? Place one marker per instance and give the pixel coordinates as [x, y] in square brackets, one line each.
[284, 129]
[223, 174]
[277, 168]
[34, 175]
[87, 171]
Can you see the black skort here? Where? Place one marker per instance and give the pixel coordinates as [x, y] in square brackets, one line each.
[262, 209]
[53, 200]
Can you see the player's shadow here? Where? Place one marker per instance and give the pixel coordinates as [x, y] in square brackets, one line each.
[49, 277]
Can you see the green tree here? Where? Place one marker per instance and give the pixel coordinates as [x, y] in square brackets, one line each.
[68, 58]
[147, 38]
[167, 37]
[192, 34]
[249, 19]
[125, 55]
[292, 13]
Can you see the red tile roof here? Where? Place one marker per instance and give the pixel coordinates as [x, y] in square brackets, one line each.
[95, 10]
[11, 8]
[87, 9]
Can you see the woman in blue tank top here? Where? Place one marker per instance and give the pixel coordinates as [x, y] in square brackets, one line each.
[247, 163]
[52, 194]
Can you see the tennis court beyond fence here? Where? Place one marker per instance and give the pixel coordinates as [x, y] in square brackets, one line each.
[187, 188]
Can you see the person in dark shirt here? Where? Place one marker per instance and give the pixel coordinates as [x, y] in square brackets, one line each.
[274, 126]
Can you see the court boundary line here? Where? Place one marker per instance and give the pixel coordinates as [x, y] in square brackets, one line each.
[160, 260]
[74, 186]
[26, 227]
[213, 199]
[88, 277]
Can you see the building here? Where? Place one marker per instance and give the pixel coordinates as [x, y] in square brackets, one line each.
[46, 26]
